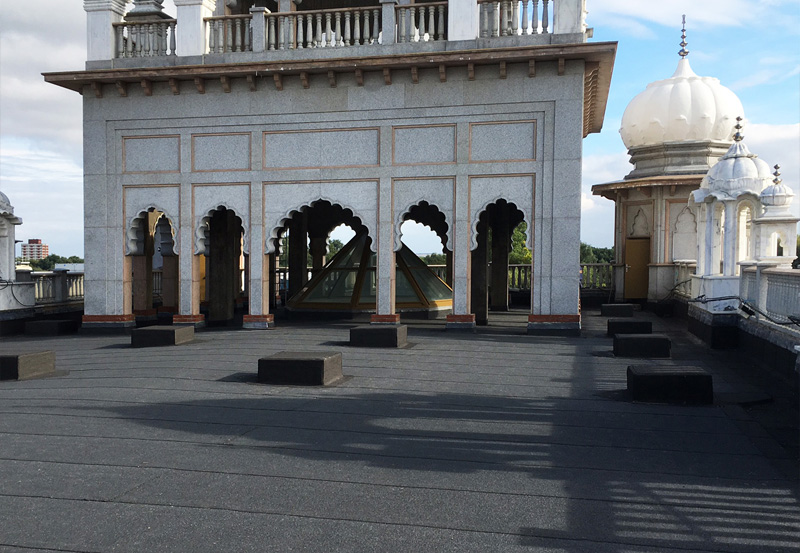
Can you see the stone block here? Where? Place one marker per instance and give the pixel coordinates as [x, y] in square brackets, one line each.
[628, 326]
[642, 345]
[306, 368]
[51, 328]
[670, 384]
[153, 336]
[24, 366]
[616, 310]
[379, 336]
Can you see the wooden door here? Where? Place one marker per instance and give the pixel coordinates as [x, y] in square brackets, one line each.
[637, 258]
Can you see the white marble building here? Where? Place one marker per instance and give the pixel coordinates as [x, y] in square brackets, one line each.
[243, 119]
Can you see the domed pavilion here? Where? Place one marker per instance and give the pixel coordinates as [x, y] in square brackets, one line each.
[675, 131]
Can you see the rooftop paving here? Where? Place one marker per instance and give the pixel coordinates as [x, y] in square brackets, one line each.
[490, 442]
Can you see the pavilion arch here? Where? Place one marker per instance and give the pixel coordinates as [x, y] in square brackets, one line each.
[426, 214]
[746, 212]
[526, 218]
[201, 236]
[134, 237]
[276, 228]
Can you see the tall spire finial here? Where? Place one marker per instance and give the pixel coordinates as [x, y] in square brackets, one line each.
[738, 137]
[777, 174]
[683, 52]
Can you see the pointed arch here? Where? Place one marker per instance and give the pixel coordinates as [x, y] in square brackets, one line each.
[201, 230]
[134, 243]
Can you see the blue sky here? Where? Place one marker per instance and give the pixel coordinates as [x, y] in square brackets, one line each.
[751, 46]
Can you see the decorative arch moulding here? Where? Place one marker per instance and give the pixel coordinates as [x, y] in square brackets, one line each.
[220, 196]
[523, 198]
[443, 200]
[276, 220]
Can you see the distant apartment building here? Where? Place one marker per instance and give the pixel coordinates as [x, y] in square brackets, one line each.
[34, 249]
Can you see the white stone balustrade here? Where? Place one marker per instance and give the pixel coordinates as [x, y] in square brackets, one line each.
[421, 23]
[336, 28]
[510, 18]
[684, 269]
[232, 33]
[145, 39]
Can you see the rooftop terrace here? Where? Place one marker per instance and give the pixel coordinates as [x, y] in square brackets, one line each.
[463, 442]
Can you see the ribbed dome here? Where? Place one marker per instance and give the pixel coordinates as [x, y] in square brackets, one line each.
[738, 172]
[777, 194]
[684, 107]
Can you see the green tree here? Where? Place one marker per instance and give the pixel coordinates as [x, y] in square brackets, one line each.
[434, 259]
[519, 255]
[333, 247]
[49, 262]
[591, 254]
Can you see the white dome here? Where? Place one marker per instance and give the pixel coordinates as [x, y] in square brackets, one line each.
[684, 107]
[777, 195]
[738, 172]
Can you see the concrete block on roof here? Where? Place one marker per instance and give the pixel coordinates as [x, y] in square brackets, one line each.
[628, 326]
[379, 336]
[306, 368]
[646, 346]
[158, 335]
[683, 384]
[25, 366]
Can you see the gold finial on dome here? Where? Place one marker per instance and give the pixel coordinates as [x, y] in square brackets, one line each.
[777, 174]
[683, 51]
[738, 137]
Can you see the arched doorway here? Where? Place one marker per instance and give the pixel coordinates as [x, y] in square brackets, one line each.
[225, 268]
[153, 267]
[490, 259]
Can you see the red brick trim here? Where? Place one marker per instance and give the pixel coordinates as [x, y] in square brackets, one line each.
[461, 318]
[108, 318]
[259, 318]
[177, 319]
[391, 319]
[554, 318]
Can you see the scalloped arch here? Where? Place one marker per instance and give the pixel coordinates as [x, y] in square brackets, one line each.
[133, 242]
[201, 230]
[526, 217]
[269, 247]
[406, 210]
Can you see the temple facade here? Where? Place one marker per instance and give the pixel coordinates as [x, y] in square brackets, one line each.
[215, 139]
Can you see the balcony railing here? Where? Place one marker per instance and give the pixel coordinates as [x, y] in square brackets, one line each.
[510, 18]
[229, 34]
[145, 39]
[597, 276]
[57, 286]
[684, 269]
[423, 23]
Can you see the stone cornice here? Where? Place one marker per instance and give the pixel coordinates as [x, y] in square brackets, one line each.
[599, 59]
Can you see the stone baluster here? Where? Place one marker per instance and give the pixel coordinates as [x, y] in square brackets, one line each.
[228, 36]
[292, 22]
[139, 41]
[348, 33]
[310, 31]
[328, 31]
[505, 23]
[271, 32]
[495, 19]
[432, 24]
[442, 15]
[422, 30]
[525, 17]
[484, 20]
[318, 35]
[413, 29]
[377, 25]
[119, 42]
[164, 35]
[220, 36]
[147, 41]
[237, 46]
[545, 16]
[401, 28]
[282, 33]
[300, 34]
[338, 40]
[211, 31]
[366, 38]
[357, 28]
[515, 17]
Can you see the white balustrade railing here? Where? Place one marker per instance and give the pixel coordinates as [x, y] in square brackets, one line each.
[336, 28]
[683, 277]
[597, 276]
[230, 33]
[57, 286]
[145, 39]
[782, 293]
[511, 18]
[421, 23]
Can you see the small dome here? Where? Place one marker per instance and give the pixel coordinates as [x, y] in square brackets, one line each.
[777, 194]
[683, 108]
[738, 172]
